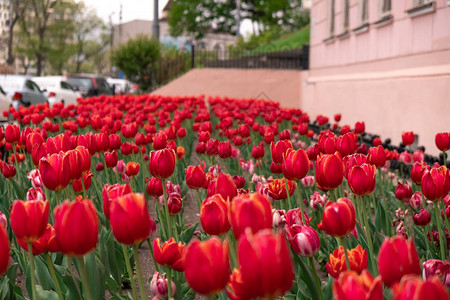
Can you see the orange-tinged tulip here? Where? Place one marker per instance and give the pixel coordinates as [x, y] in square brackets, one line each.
[214, 215]
[46, 243]
[412, 287]
[111, 192]
[277, 189]
[250, 211]
[350, 285]
[162, 163]
[295, 165]
[76, 227]
[195, 177]
[129, 219]
[265, 263]
[169, 254]
[336, 262]
[329, 171]
[4, 250]
[279, 149]
[29, 219]
[436, 183]
[132, 168]
[206, 265]
[361, 179]
[54, 171]
[338, 218]
[236, 288]
[397, 257]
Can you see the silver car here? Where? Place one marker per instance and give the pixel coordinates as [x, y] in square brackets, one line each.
[22, 90]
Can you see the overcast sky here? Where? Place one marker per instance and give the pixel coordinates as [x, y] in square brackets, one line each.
[135, 9]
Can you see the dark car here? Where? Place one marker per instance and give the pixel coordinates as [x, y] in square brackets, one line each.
[90, 85]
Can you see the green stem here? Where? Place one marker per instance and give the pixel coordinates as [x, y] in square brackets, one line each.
[139, 271]
[53, 274]
[442, 243]
[130, 271]
[84, 279]
[153, 255]
[313, 268]
[369, 236]
[446, 221]
[341, 242]
[33, 276]
[199, 200]
[169, 283]
[300, 202]
[427, 242]
[445, 158]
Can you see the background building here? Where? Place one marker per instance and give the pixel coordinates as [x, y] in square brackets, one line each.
[385, 62]
[4, 27]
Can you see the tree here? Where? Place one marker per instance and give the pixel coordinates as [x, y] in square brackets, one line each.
[18, 10]
[137, 60]
[197, 17]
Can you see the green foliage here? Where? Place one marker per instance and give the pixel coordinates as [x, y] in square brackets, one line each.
[197, 17]
[138, 60]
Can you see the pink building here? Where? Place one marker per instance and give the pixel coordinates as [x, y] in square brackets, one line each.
[386, 62]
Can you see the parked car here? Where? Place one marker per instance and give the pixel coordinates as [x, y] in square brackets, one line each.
[22, 90]
[90, 85]
[5, 103]
[120, 86]
[57, 89]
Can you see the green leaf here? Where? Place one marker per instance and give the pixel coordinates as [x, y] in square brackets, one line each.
[187, 234]
[73, 287]
[46, 295]
[307, 276]
[42, 274]
[327, 289]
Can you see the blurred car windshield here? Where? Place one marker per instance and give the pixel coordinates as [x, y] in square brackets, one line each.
[80, 82]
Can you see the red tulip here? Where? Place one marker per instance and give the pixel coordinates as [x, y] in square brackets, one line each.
[154, 187]
[129, 130]
[436, 183]
[112, 192]
[195, 177]
[54, 171]
[357, 257]
[224, 150]
[338, 218]
[329, 171]
[442, 141]
[160, 141]
[422, 218]
[111, 159]
[9, 171]
[408, 138]
[414, 288]
[4, 250]
[361, 179]
[353, 160]
[250, 211]
[77, 185]
[350, 285]
[169, 254]
[435, 267]
[76, 227]
[360, 127]
[46, 243]
[114, 142]
[258, 151]
[214, 215]
[212, 147]
[12, 134]
[295, 165]
[277, 189]
[162, 163]
[132, 169]
[279, 149]
[377, 156]
[265, 263]
[174, 203]
[129, 219]
[346, 144]
[29, 219]
[417, 171]
[304, 240]
[327, 142]
[403, 192]
[223, 185]
[397, 257]
[206, 265]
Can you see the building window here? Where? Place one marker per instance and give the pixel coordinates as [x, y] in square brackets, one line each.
[385, 8]
[421, 2]
[331, 11]
[345, 15]
[363, 9]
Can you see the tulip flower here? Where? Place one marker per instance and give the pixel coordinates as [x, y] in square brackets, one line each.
[412, 287]
[162, 163]
[223, 185]
[160, 141]
[397, 257]
[360, 127]
[159, 286]
[329, 171]
[258, 151]
[35, 178]
[350, 285]
[279, 149]
[357, 257]
[408, 138]
[54, 171]
[76, 227]
[442, 141]
[214, 215]
[338, 218]
[78, 186]
[154, 187]
[422, 218]
[417, 171]
[208, 258]
[129, 219]
[195, 177]
[132, 169]
[46, 243]
[112, 192]
[327, 142]
[436, 183]
[265, 263]
[403, 192]
[436, 267]
[169, 254]
[129, 130]
[361, 179]
[377, 156]
[224, 150]
[174, 203]
[4, 250]
[295, 164]
[12, 134]
[29, 219]
[277, 189]
[346, 144]
[304, 240]
[111, 159]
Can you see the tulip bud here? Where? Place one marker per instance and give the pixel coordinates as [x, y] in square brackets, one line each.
[195, 177]
[361, 179]
[422, 218]
[159, 287]
[162, 163]
[408, 138]
[442, 141]
[403, 192]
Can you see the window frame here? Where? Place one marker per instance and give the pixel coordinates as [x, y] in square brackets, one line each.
[345, 16]
[383, 14]
[331, 24]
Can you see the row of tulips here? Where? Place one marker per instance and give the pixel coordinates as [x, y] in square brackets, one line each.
[90, 191]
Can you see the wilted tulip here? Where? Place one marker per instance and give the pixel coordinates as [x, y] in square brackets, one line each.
[357, 257]
[265, 263]
[76, 227]
[29, 219]
[169, 254]
[397, 257]
[209, 258]
[304, 240]
[350, 285]
[338, 218]
[162, 163]
[214, 215]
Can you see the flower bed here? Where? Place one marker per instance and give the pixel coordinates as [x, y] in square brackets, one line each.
[279, 204]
